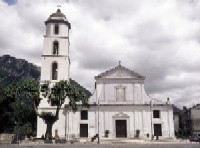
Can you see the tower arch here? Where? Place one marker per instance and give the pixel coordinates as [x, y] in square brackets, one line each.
[55, 50]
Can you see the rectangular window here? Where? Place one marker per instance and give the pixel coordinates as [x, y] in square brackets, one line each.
[56, 29]
[84, 115]
[120, 94]
[156, 114]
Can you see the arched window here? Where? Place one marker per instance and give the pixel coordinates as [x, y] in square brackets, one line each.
[55, 47]
[56, 29]
[54, 71]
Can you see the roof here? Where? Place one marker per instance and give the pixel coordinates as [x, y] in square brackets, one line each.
[120, 68]
[58, 13]
[58, 17]
[76, 84]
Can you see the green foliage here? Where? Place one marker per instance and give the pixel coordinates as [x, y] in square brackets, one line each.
[16, 104]
[22, 99]
[60, 91]
[7, 120]
[47, 116]
[56, 96]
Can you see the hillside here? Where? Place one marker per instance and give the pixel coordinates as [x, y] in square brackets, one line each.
[15, 70]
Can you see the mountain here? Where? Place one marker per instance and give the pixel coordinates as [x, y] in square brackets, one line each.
[15, 70]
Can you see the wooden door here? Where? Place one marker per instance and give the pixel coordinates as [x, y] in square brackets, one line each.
[157, 130]
[83, 130]
[121, 128]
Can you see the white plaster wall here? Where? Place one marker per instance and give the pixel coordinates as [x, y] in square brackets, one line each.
[59, 124]
[74, 124]
[63, 30]
[92, 124]
[171, 123]
[63, 68]
[164, 122]
[147, 122]
[63, 46]
[176, 122]
[137, 119]
[110, 93]
[134, 93]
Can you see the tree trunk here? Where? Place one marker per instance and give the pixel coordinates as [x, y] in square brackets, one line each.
[48, 134]
[50, 121]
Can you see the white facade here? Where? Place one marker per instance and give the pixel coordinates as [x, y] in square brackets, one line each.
[134, 109]
[119, 104]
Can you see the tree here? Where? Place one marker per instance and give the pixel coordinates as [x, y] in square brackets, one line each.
[6, 110]
[56, 96]
[15, 108]
[29, 91]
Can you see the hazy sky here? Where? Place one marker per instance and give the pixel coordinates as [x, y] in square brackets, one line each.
[159, 39]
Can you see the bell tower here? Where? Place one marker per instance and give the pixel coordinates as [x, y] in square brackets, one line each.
[55, 56]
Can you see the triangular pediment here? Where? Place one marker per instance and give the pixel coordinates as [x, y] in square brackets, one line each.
[120, 72]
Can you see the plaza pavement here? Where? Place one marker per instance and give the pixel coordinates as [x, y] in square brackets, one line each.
[112, 143]
[125, 141]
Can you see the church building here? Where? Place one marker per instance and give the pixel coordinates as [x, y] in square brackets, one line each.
[119, 107]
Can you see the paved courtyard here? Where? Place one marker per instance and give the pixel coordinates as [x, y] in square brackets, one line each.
[112, 145]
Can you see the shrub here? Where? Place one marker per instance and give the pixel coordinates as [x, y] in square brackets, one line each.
[137, 133]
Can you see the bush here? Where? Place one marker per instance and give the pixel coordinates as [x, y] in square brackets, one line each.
[137, 133]
[106, 133]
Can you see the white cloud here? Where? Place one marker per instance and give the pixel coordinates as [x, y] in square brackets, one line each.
[157, 38]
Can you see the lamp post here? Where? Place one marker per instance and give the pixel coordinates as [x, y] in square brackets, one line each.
[150, 105]
[65, 121]
[98, 138]
[98, 124]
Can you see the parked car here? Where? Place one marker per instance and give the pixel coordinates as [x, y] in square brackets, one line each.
[194, 139]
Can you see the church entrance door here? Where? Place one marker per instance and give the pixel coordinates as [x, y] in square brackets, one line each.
[83, 130]
[157, 130]
[121, 129]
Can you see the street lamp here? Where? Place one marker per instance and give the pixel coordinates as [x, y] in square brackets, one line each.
[98, 140]
[150, 105]
[98, 124]
[66, 112]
